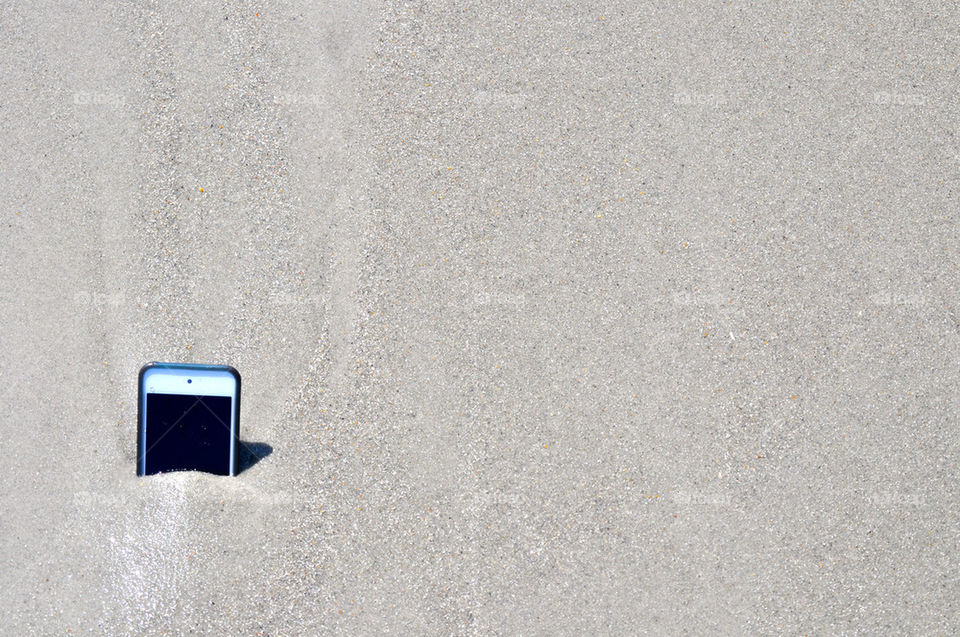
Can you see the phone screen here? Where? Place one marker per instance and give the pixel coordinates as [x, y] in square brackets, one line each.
[185, 432]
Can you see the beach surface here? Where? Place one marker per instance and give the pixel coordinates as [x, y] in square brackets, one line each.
[553, 318]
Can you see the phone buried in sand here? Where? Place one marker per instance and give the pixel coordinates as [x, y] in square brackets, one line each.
[188, 418]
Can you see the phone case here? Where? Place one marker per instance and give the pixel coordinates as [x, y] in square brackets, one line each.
[198, 366]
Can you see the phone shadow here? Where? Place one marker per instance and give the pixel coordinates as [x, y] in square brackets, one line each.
[250, 453]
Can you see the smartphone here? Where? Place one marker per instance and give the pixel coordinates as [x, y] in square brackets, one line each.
[188, 418]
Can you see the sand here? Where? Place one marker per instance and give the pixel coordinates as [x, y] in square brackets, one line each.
[553, 319]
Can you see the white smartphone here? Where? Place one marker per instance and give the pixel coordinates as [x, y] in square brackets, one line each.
[188, 418]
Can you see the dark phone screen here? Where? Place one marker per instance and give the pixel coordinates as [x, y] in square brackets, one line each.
[187, 433]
